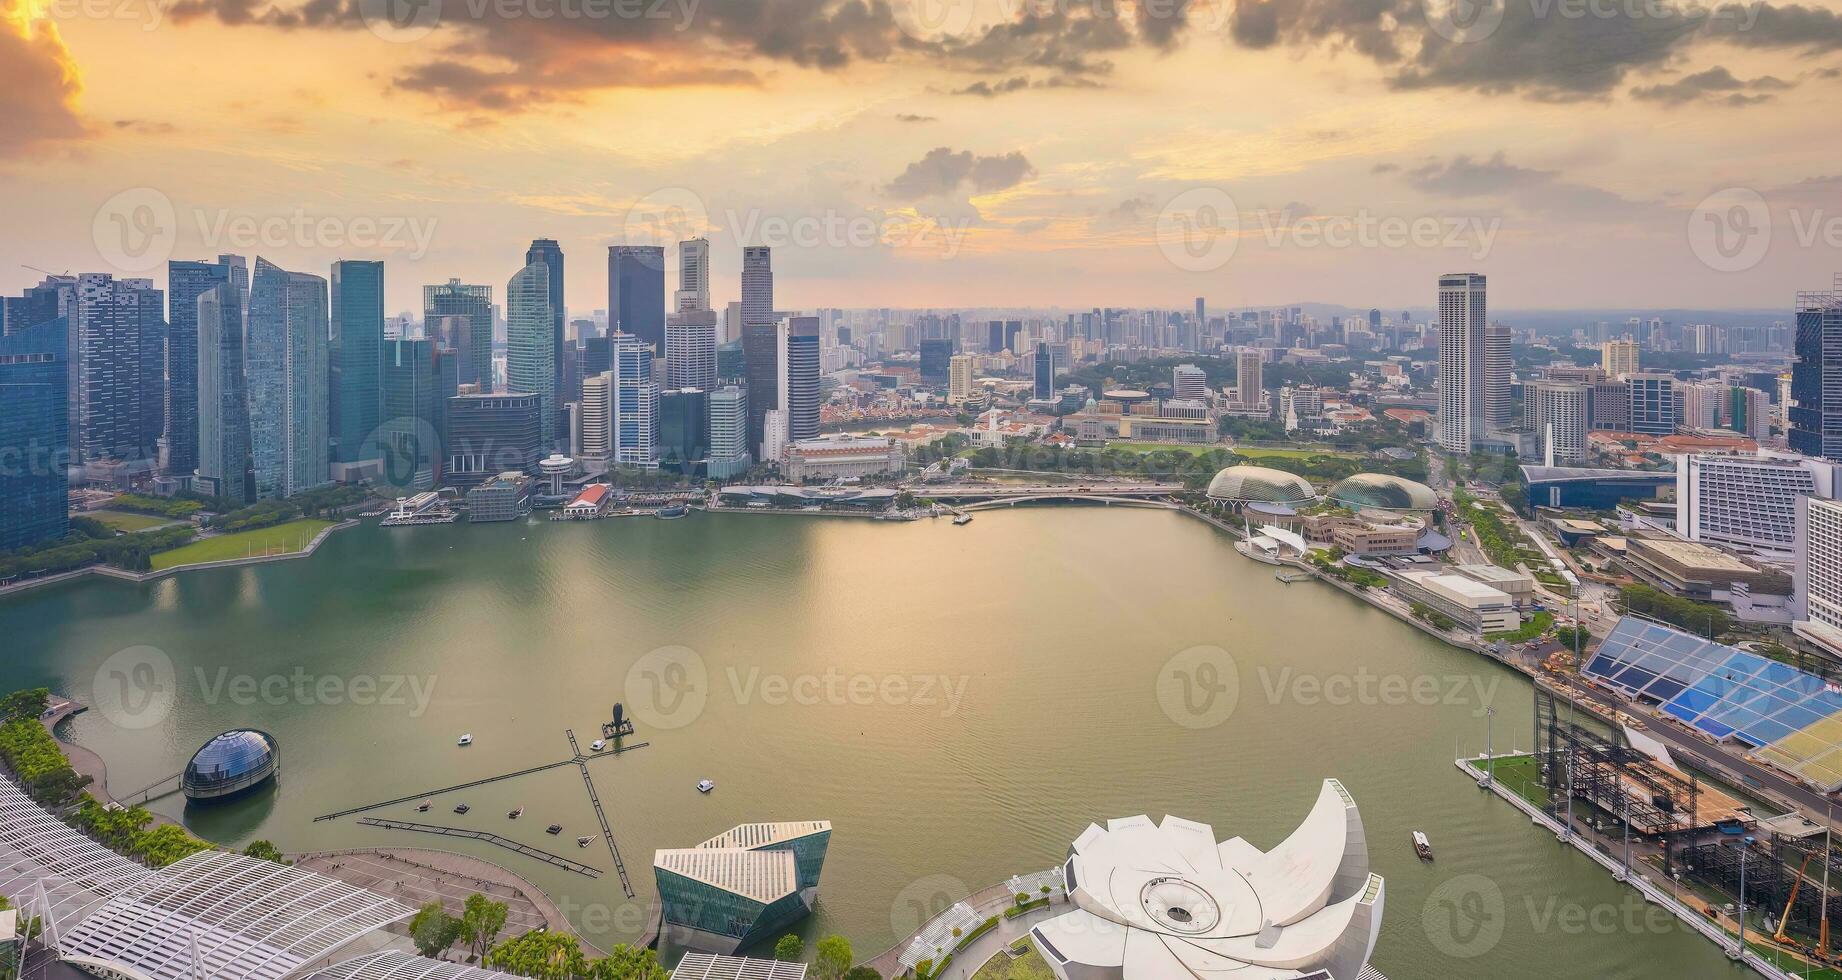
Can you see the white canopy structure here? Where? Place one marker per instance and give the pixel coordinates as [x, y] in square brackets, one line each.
[401, 966]
[1165, 900]
[52, 869]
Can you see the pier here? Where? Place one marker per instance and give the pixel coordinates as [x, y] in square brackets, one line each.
[490, 838]
[412, 797]
[607, 833]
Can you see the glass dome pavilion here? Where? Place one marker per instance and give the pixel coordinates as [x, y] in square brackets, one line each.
[231, 763]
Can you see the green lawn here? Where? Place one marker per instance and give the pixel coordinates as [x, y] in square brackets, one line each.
[278, 540]
[121, 520]
[1143, 448]
[1252, 453]
[1029, 966]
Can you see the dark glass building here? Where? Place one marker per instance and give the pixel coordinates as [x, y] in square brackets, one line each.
[34, 437]
[684, 430]
[460, 316]
[355, 393]
[492, 434]
[761, 364]
[231, 764]
[414, 399]
[636, 293]
[802, 378]
[547, 251]
[1816, 412]
[1044, 372]
[936, 355]
[185, 282]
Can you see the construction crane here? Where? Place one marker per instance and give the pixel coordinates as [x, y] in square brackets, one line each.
[47, 272]
[1785, 920]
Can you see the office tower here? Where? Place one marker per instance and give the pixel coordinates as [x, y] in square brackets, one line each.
[1460, 422]
[729, 455]
[1044, 372]
[1747, 501]
[1558, 412]
[547, 251]
[1749, 412]
[693, 275]
[185, 282]
[935, 357]
[684, 430]
[994, 336]
[1817, 574]
[732, 322]
[690, 350]
[1248, 365]
[529, 365]
[34, 441]
[1704, 404]
[1013, 329]
[1189, 381]
[801, 398]
[636, 293]
[761, 356]
[223, 395]
[489, 434]
[959, 379]
[1618, 357]
[635, 403]
[355, 359]
[595, 421]
[460, 317]
[1499, 408]
[414, 402]
[1653, 402]
[120, 370]
[1202, 318]
[757, 287]
[1816, 376]
[287, 354]
[55, 296]
[1611, 406]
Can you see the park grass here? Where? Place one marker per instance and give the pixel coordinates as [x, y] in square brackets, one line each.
[278, 540]
[1029, 966]
[1146, 448]
[121, 520]
[1252, 452]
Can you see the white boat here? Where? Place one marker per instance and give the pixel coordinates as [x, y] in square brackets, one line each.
[466, 739]
[584, 841]
[705, 786]
[597, 745]
[423, 807]
[1422, 846]
[962, 520]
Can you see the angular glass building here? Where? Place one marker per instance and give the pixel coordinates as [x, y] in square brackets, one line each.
[232, 763]
[355, 400]
[34, 388]
[286, 358]
[742, 887]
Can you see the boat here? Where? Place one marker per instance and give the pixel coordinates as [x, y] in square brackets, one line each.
[423, 807]
[705, 786]
[1422, 846]
[673, 511]
[461, 808]
[466, 739]
[962, 520]
[515, 814]
[597, 745]
[584, 841]
[554, 829]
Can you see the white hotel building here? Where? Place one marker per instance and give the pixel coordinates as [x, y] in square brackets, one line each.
[1818, 573]
[1748, 502]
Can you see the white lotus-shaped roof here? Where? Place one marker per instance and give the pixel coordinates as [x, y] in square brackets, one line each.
[1164, 900]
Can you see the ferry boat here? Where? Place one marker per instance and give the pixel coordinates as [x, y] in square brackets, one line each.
[673, 511]
[705, 786]
[597, 745]
[1422, 846]
[461, 808]
[515, 814]
[962, 520]
[466, 739]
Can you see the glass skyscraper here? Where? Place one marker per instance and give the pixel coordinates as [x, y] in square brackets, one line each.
[120, 350]
[223, 395]
[34, 417]
[684, 430]
[729, 453]
[548, 252]
[460, 317]
[530, 357]
[185, 282]
[636, 403]
[414, 401]
[1816, 378]
[802, 399]
[355, 394]
[636, 292]
[286, 356]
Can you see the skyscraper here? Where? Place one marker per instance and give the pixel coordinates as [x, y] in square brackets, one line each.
[1618, 357]
[223, 395]
[530, 366]
[34, 443]
[1653, 402]
[460, 317]
[1462, 355]
[935, 358]
[414, 403]
[636, 293]
[959, 379]
[1189, 381]
[1558, 412]
[120, 368]
[355, 395]
[185, 282]
[1044, 372]
[1248, 365]
[690, 349]
[802, 375]
[761, 357]
[1816, 377]
[548, 252]
[489, 434]
[693, 275]
[635, 403]
[684, 430]
[757, 286]
[729, 453]
[286, 355]
[1499, 408]
[595, 421]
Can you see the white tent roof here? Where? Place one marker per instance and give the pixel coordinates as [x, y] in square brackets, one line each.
[37, 848]
[401, 966]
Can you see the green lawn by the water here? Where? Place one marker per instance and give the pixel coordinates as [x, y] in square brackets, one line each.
[1252, 452]
[1161, 447]
[278, 540]
[121, 520]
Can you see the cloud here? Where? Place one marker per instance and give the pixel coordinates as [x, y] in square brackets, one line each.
[988, 91]
[39, 83]
[1531, 190]
[909, 117]
[1129, 213]
[945, 173]
[1716, 81]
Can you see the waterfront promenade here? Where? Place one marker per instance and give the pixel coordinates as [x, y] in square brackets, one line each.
[124, 575]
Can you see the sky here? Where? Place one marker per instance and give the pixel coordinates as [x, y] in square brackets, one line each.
[945, 153]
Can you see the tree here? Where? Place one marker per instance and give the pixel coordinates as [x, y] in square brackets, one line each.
[789, 949]
[482, 919]
[28, 704]
[544, 955]
[625, 962]
[266, 851]
[834, 958]
[433, 929]
[862, 973]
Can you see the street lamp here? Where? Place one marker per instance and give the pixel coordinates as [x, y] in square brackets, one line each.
[1739, 952]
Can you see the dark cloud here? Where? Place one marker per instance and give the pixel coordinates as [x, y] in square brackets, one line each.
[1019, 83]
[1717, 82]
[38, 84]
[462, 84]
[945, 173]
[1538, 191]
[1129, 213]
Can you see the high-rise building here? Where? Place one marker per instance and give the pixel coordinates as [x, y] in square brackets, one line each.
[1817, 573]
[1747, 501]
[684, 430]
[489, 434]
[1619, 357]
[1249, 362]
[1043, 373]
[1499, 408]
[994, 337]
[636, 293]
[1462, 311]
[690, 349]
[959, 379]
[1558, 412]
[55, 297]
[1749, 412]
[1653, 402]
[801, 397]
[729, 453]
[287, 360]
[635, 403]
[1189, 381]
[1816, 377]
[595, 421]
[185, 282]
[459, 316]
[414, 402]
[529, 368]
[355, 358]
[762, 356]
[1704, 404]
[34, 443]
[935, 357]
[693, 275]
[223, 395]
[757, 286]
[120, 368]
[548, 252]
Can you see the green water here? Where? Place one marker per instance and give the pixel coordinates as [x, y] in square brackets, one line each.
[823, 645]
